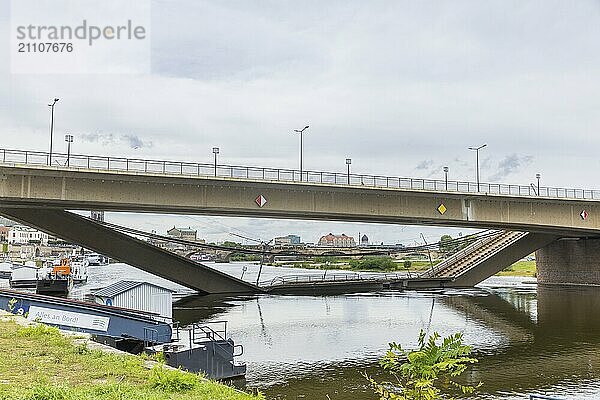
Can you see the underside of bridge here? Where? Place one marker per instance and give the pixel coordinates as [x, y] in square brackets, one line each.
[140, 254]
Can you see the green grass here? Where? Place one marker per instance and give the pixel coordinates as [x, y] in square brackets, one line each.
[520, 268]
[366, 264]
[383, 264]
[38, 363]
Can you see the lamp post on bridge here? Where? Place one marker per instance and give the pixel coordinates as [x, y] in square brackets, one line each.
[69, 140]
[301, 131]
[215, 152]
[51, 129]
[538, 176]
[348, 162]
[476, 149]
[446, 169]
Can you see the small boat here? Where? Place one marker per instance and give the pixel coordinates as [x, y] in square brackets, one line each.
[79, 267]
[97, 259]
[6, 269]
[200, 257]
[23, 277]
[55, 280]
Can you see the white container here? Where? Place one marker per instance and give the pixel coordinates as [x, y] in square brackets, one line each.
[141, 296]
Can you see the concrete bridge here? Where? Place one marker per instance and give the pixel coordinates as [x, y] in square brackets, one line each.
[29, 190]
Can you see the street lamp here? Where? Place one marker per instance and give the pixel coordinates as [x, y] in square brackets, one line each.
[476, 149]
[51, 129]
[215, 152]
[301, 131]
[69, 140]
[446, 169]
[538, 176]
[348, 162]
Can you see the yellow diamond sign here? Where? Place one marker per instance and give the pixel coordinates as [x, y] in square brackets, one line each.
[442, 209]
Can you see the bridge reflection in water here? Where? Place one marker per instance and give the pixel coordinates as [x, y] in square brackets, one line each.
[527, 341]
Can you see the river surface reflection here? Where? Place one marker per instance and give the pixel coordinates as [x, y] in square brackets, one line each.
[528, 339]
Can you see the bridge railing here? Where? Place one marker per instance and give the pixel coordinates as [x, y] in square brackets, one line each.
[105, 163]
[331, 277]
[431, 272]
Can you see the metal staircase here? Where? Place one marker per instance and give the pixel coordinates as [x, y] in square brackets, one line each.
[473, 255]
[204, 347]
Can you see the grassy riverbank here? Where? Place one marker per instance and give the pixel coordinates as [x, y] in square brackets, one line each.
[39, 363]
[386, 264]
[520, 268]
[367, 264]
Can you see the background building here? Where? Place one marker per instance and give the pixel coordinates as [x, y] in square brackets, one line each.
[183, 233]
[19, 234]
[332, 240]
[6, 222]
[289, 240]
[364, 240]
[4, 233]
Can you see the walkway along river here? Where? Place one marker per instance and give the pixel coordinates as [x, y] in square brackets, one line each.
[528, 339]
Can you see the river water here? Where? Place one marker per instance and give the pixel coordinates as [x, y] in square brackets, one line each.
[528, 339]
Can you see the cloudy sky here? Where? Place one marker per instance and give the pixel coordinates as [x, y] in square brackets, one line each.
[401, 87]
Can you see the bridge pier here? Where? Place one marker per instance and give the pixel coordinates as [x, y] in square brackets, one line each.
[569, 262]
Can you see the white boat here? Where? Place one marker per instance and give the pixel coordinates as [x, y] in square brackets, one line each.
[200, 257]
[6, 269]
[23, 277]
[79, 269]
[97, 259]
[55, 280]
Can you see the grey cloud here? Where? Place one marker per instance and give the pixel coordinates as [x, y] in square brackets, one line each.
[486, 163]
[240, 76]
[135, 142]
[103, 138]
[511, 164]
[110, 139]
[460, 162]
[425, 164]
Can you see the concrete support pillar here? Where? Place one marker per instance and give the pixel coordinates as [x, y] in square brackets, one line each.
[569, 262]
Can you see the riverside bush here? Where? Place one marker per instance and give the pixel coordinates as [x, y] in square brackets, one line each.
[427, 373]
[374, 263]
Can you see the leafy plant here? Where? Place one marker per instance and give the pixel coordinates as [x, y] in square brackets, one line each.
[40, 330]
[11, 305]
[427, 373]
[159, 357]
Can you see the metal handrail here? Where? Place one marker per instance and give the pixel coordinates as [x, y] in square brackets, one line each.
[337, 277]
[472, 248]
[149, 336]
[215, 336]
[187, 168]
[209, 332]
[460, 254]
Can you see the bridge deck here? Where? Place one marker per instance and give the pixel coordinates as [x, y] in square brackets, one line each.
[185, 168]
